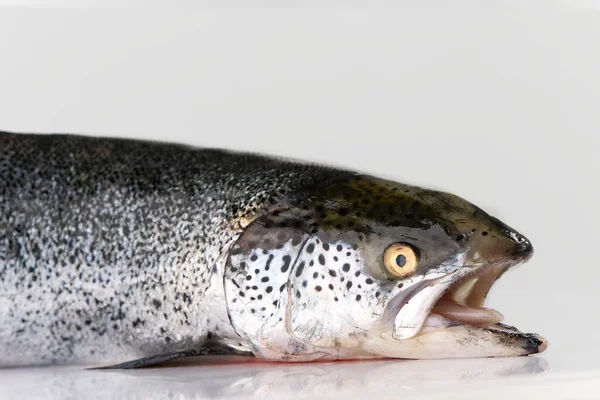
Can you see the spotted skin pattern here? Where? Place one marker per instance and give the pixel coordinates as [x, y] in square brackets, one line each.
[107, 246]
[114, 249]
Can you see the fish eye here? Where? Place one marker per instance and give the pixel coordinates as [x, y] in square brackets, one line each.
[400, 260]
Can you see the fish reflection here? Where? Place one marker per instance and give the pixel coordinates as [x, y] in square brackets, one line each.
[237, 377]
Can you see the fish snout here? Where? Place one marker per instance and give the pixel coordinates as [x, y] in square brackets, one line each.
[498, 243]
[523, 249]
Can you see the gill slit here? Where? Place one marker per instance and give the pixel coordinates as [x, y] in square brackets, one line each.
[288, 288]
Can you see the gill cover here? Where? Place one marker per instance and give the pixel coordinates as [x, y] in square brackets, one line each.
[256, 283]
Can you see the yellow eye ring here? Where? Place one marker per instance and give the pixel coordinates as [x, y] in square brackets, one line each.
[400, 260]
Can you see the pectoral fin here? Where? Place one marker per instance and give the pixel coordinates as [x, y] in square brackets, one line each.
[164, 357]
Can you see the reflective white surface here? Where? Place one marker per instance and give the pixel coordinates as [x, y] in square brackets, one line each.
[234, 376]
[495, 101]
[240, 377]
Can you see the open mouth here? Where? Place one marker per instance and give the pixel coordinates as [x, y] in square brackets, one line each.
[463, 301]
[462, 304]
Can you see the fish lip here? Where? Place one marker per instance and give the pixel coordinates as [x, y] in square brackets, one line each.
[532, 343]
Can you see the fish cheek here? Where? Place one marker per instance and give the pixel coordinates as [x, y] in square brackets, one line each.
[333, 301]
[255, 282]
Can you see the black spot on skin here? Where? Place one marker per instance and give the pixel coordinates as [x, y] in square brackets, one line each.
[248, 277]
[286, 263]
[242, 294]
[369, 281]
[335, 298]
[335, 258]
[257, 271]
[377, 294]
[349, 284]
[348, 254]
[297, 293]
[339, 247]
[318, 288]
[400, 285]
[254, 257]
[357, 273]
[156, 303]
[304, 283]
[282, 287]
[254, 287]
[275, 303]
[315, 275]
[269, 289]
[252, 310]
[311, 263]
[300, 269]
[358, 297]
[332, 273]
[310, 248]
[260, 296]
[268, 265]
[330, 286]
[265, 279]
[325, 246]
[346, 267]
[321, 259]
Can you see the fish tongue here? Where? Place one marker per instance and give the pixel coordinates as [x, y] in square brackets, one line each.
[473, 316]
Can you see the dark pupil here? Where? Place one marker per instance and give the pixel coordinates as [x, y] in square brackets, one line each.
[401, 260]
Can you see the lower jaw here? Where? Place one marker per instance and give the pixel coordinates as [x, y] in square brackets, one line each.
[460, 341]
[462, 332]
[484, 340]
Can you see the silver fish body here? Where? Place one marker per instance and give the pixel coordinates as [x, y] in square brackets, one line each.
[112, 249]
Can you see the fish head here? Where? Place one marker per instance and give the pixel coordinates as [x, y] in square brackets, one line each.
[364, 267]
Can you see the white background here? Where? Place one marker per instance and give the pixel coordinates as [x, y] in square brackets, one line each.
[498, 102]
